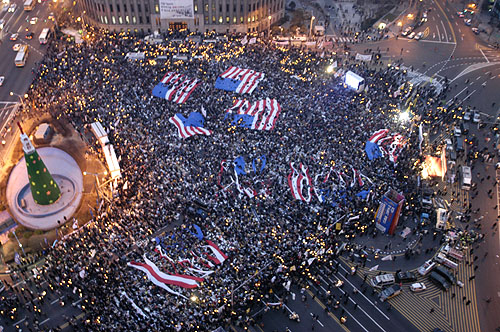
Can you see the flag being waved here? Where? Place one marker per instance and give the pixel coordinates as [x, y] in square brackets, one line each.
[261, 115]
[300, 182]
[239, 80]
[191, 126]
[175, 87]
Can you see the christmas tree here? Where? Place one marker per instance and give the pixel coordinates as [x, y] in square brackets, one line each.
[44, 189]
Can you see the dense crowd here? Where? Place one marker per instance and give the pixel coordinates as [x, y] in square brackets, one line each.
[169, 183]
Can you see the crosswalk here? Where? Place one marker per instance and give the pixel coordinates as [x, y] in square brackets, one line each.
[7, 111]
[434, 308]
[343, 39]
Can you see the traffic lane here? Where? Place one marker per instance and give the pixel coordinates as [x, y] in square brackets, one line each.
[279, 319]
[480, 90]
[366, 304]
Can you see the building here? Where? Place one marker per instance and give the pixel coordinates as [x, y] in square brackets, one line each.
[147, 16]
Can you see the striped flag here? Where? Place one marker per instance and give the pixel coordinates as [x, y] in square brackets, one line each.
[220, 257]
[299, 182]
[175, 87]
[239, 80]
[187, 127]
[261, 115]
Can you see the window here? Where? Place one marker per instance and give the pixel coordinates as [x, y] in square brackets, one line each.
[195, 7]
[120, 19]
[140, 19]
[139, 9]
[220, 19]
[234, 19]
[241, 8]
[117, 7]
[106, 19]
[127, 19]
[132, 9]
[124, 7]
[248, 19]
[220, 7]
[213, 19]
[110, 7]
[134, 20]
[253, 18]
[147, 19]
[157, 8]
[146, 8]
[258, 5]
[227, 19]
[213, 6]
[249, 7]
[234, 8]
[113, 19]
[227, 7]
[102, 19]
[254, 6]
[206, 19]
[206, 8]
[242, 19]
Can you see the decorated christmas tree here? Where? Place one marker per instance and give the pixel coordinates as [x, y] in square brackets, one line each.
[44, 189]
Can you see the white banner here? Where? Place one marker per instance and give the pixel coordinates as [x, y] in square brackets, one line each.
[364, 57]
[176, 9]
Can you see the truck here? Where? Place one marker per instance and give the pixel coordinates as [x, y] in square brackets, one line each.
[452, 252]
[441, 218]
[465, 177]
[441, 258]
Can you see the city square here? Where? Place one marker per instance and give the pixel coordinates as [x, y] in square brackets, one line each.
[249, 166]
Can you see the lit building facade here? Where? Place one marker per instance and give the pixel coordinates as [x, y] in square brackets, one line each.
[223, 16]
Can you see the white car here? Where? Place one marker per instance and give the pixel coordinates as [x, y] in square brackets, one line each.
[419, 35]
[16, 47]
[457, 131]
[34, 20]
[476, 118]
[467, 116]
[417, 287]
[12, 7]
[411, 35]
[2, 78]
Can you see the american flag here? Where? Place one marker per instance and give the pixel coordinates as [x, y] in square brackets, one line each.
[239, 80]
[175, 87]
[261, 115]
[390, 145]
[191, 126]
[300, 181]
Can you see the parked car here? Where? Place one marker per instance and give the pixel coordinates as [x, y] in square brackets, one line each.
[468, 22]
[476, 31]
[419, 35]
[456, 131]
[418, 287]
[411, 35]
[405, 277]
[12, 7]
[34, 20]
[460, 14]
[2, 78]
[390, 292]
[407, 31]
[427, 267]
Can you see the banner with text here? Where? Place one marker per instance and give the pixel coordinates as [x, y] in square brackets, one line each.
[176, 9]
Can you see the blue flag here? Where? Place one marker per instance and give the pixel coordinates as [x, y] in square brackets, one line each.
[239, 165]
[372, 150]
[199, 233]
[262, 159]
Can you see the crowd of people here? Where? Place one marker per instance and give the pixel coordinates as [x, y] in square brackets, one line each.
[169, 184]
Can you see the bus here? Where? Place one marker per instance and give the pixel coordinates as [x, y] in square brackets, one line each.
[29, 5]
[44, 36]
[22, 56]
[465, 177]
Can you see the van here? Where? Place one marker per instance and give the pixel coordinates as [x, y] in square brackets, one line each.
[382, 280]
[446, 274]
[426, 267]
[460, 144]
[439, 281]
[441, 258]
[441, 218]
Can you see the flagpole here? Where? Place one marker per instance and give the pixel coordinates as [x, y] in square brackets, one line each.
[20, 245]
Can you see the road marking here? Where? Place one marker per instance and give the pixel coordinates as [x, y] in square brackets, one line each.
[459, 30]
[362, 293]
[470, 94]
[438, 34]
[456, 95]
[438, 42]
[45, 321]
[329, 313]
[17, 323]
[444, 29]
[353, 318]
[480, 50]
[317, 320]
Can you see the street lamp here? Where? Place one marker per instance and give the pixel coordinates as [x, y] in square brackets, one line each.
[19, 96]
[269, 32]
[311, 25]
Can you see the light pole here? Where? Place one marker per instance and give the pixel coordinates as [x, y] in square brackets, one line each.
[311, 25]
[20, 97]
[269, 31]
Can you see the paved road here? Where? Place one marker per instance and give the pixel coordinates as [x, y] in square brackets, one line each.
[17, 80]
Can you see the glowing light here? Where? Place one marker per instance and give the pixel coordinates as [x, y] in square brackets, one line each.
[404, 116]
